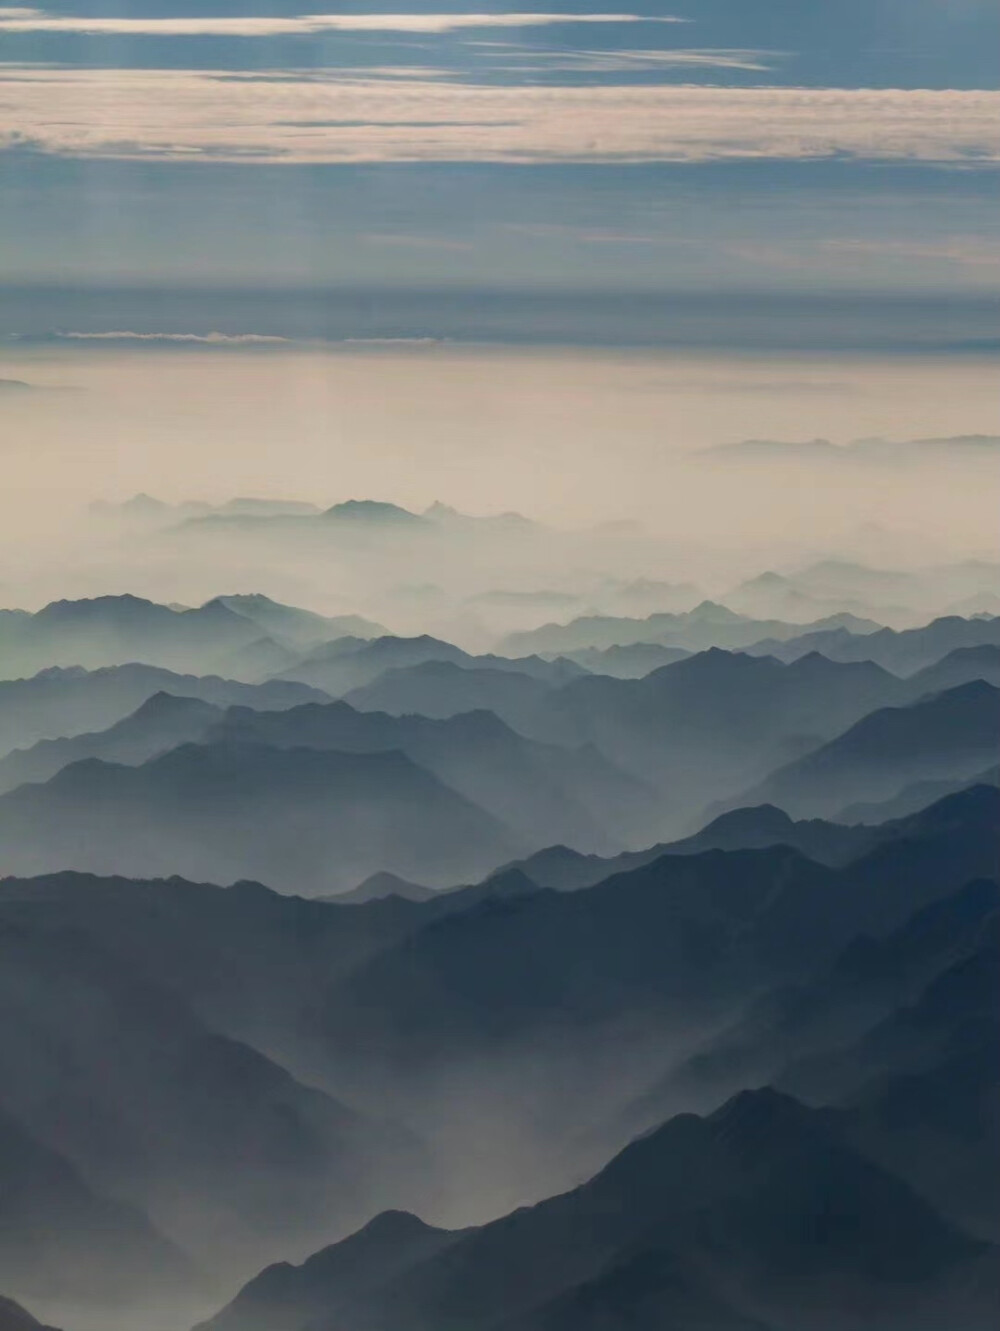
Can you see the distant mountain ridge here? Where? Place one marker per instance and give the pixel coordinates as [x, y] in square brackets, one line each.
[118, 630]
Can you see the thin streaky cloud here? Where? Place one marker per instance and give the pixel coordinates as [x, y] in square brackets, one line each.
[198, 115]
[37, 20]
[618, 62]
[972, 251]
[125, 335]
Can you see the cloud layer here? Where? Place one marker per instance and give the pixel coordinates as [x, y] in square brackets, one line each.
[302, 25]
[334, 117]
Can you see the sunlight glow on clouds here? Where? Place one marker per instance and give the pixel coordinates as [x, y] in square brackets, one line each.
[335, 117]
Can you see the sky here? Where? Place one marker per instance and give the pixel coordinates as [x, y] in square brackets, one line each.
[245, 246]
[752, 145]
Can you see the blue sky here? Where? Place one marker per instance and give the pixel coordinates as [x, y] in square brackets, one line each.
[795, 148]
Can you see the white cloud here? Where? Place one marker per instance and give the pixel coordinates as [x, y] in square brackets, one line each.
[37, 20]
[335, 117]
[213, 339]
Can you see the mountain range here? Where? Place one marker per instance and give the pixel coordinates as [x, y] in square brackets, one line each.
[644, 977]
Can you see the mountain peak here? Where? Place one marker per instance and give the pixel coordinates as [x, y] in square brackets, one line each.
[373, 511]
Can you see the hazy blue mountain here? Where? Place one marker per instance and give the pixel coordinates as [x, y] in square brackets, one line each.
[961, 666]
[378, 886]
[757, 1207]
[119, 1076]
[115, 630]
[162, 722]
[899, 597]
[63, 1241]
[904, 652]
[948, 736]
[372, 512]
[697, 728]
[446, 688]
[568, 870]
[349, 664]
[628, 662]
[912, 798]
[294, 626]
[787, 597]
[64, 702]
[303, 820]
[869, 450]
[707, 625]
[535, 790]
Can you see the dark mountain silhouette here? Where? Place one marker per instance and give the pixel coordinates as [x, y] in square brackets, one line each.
[871, 978]
[959, 1001]
[510, 1027]
[936, 1126]
[182, 935]
[757, 1211]
[303, 820]
[15, 1318]
[675, 943]
[285, 1297]
[949, 736]
[68, 701]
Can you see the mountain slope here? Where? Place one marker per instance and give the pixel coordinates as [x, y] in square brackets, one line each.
[757, 1207]
[904, 652]
[303, 820]
[120, 1077]
[15, 1318]
[115, 630]
[539, 791]
[61, 1240]
[64, 702]
[696, 729]
[161, 723]
[947, 736]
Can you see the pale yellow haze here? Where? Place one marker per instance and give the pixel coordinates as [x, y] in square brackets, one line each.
[567, 437]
